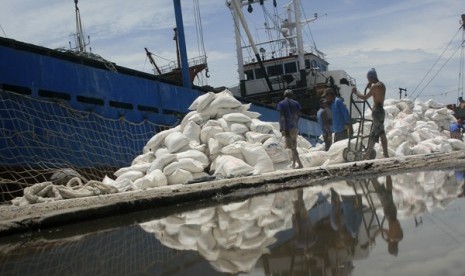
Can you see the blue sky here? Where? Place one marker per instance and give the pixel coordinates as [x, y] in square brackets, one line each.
[401, 39]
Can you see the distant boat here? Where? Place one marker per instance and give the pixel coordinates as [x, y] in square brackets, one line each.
[283, 61]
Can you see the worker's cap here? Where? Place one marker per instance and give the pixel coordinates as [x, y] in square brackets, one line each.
[288, 92]
[372, 74]
[328, 91]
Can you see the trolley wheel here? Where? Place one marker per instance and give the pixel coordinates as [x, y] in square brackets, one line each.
[349, 155]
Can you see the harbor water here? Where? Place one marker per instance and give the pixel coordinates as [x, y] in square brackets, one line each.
[340, 228]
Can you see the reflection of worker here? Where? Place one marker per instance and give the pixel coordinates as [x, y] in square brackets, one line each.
[289, 110]
[349, 210]
[393, 234]
[460, 177]
[342, 127]
[323, 122]
[378, 91]
[303, 227]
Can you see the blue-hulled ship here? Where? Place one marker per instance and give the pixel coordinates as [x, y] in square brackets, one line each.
[67, 109]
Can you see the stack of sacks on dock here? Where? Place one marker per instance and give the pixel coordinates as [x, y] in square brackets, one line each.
[231, 237]
[219, 138]
[415, 127]
[412, 127]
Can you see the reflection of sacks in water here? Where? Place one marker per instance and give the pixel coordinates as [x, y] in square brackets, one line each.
[231, 237]
[418, 192]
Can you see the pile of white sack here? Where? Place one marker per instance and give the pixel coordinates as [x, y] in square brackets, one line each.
[412, 127]
[219, 138]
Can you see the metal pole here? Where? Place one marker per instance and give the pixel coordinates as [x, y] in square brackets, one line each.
[300, 44]
[186, 82]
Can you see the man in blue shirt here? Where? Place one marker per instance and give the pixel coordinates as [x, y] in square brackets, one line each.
[456, 129]
[289, 110]
[342, 127]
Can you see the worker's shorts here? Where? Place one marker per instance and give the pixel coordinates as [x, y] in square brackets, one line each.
[377, 127]
[291, 138]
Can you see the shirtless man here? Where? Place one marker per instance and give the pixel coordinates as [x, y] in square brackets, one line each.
[378, 91]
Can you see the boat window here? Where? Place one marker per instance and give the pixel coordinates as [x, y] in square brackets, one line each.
[307, 64]
[314, 64]
[147, 108]
[16, 89]
[89, 100]
[275, 70]
[290, 67]
[259, 73]
[54, 95]
[121, 105]
[323, 67]
[249, 75]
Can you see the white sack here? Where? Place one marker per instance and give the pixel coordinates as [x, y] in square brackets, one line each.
[257, 157]
[229, 166]
[179, 176]
[261, 127]
[224, 99]
[192, 131]
[227, 138]
[158, 139]
[313, 159]
[187, 164]
[275, 150]
[209, 132]
[202, 101]
[161, 162]
[254, 137]
[176, 141]
[237, 118]
[138, 167]
[156, 178]
[239, 128]
[214, 146]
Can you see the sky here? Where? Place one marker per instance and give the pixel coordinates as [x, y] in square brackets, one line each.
[413, 44]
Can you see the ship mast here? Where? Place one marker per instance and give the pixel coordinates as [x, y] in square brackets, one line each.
[182, 44]
[80, 43]
[236, 9]
[300, 44]
[462, 65]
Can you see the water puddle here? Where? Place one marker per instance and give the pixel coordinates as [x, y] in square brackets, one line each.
[353, 227]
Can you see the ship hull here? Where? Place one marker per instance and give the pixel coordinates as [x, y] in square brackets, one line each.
[61, 110]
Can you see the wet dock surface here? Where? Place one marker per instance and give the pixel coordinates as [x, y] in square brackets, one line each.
[339, 228]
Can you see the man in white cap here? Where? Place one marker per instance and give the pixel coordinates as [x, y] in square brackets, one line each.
[377, 89]
[289, 110]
